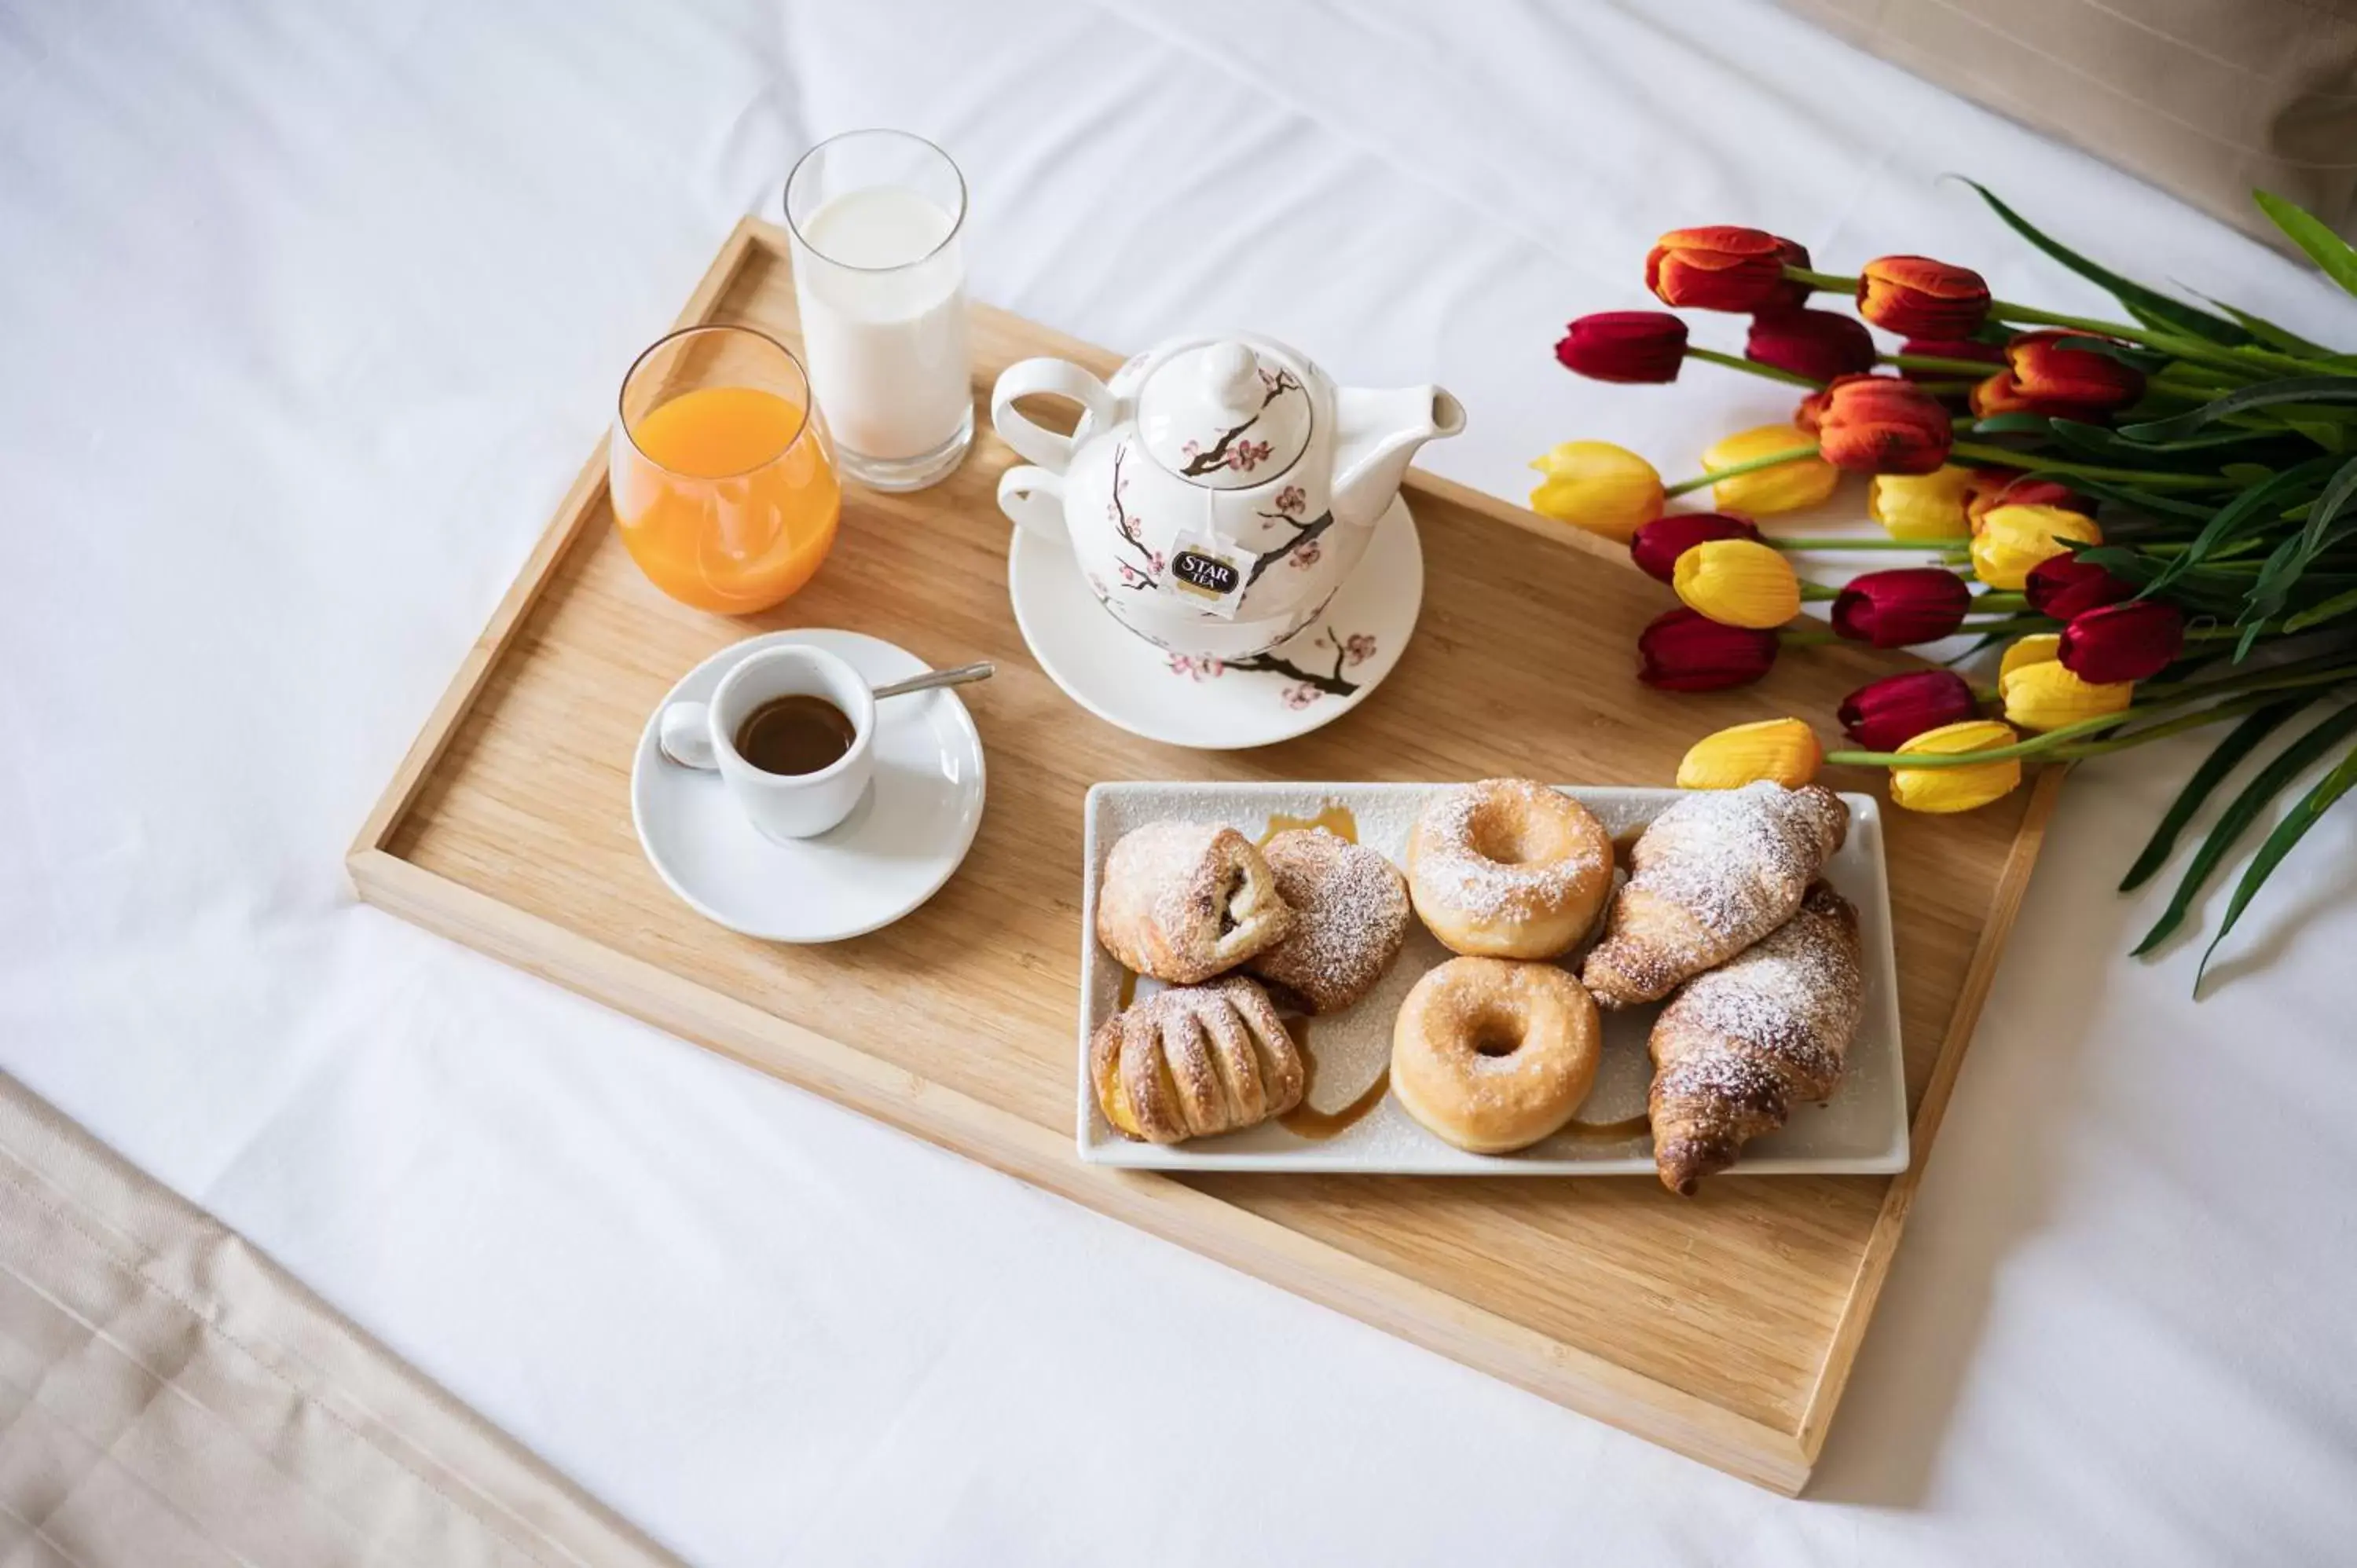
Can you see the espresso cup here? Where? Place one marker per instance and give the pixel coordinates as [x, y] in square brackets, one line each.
[781, 805]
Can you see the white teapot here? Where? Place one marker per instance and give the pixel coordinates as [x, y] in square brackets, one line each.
[1218, 490]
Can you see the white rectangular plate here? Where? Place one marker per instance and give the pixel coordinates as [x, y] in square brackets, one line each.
[1862, 1132]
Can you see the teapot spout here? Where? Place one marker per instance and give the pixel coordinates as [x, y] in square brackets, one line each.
[1381, 432]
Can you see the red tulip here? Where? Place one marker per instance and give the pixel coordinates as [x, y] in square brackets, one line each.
[1817, 344]
[1949, 349]
[2131, 641]
[2066, 587]
[1722, 268]
[1992, 488]
[1656, 546]
[1878, 425]
[1625, 346]
[1885, 714]
[1684, 651]
[2050, 376]
[1916, 297]
[1892, 609]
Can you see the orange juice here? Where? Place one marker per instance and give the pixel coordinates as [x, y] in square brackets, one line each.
[727, 502]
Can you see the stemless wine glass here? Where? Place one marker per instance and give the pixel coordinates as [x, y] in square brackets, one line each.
[722, 478]
[879, 279]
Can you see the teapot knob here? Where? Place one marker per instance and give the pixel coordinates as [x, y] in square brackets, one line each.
[1232, 377]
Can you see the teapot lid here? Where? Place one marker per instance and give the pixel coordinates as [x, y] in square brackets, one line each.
[1224, 416]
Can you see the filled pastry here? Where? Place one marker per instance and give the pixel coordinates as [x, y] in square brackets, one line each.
[1350, 915]
[1183, 901]
[1193, 1061]
[1737, 1048]
[1714, 872]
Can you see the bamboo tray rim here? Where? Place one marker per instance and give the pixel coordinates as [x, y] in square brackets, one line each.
[1770, 1455]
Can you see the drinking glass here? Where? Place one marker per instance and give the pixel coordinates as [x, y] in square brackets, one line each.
[722, 474]
[879, 279]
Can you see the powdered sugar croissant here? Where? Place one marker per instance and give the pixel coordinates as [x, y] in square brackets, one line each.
[1714, 872]
[1737, 1048]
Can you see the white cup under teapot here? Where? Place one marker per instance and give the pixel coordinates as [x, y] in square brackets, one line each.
[1217, 490]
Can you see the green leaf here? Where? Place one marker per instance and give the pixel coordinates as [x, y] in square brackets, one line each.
[2286, 388]
[2125, 495]
[2142, 301]
[2332, 608]
[2246, 473]
[2325, 248]
[2274, 336]
[2288, 833]
[2101, 441]
[2288, 765]
[2338, 493]
[2011, 424]
[2212, 772]
[2252, 502]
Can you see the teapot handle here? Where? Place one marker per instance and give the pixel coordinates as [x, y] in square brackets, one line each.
[1055, 378]
[1035, 499]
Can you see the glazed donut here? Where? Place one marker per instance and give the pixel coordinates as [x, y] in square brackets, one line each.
[1506, 868]
[1494, 1056]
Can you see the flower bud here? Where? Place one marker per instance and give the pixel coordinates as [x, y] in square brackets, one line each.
[1962, 787]
[2131, 641]
[2013, 538]
[1817, 344]
[1656, 546]
[1880, 425]
[1597, 486]
[1739, 582]
[2037, 647]
[1785, 750]
[1804, 481]
[1908, 605]
[1916, 297]
[1683, 651]
[1642, 346]
[2046, 695]
[2066, 587]
[1883, 715]
[1920, 506]
[1721, 267]
[1993, 488]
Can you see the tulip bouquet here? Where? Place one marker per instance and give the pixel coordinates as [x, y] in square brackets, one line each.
[2155, 519]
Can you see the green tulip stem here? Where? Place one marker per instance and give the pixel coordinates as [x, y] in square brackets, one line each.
[1818, 593]
[1978, 370]
[1748, 466]
[2146, 478]
[1735, 362]
[1795, 637]
[1830, 543]
[2062, 735]
[1834, 282]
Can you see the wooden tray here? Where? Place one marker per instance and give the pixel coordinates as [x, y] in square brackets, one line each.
[1723, 1326]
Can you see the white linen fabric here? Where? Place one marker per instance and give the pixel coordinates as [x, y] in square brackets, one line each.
[311, 312]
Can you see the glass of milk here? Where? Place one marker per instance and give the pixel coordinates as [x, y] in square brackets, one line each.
[876, 218]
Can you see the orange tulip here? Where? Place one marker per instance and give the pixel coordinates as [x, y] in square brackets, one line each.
[1722, 268]
[1916, 297]
[1880, 425]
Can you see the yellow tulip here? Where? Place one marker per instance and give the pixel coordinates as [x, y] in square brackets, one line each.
[2014, 539]
[1597, 486]
[1920, 506]
[1785, 750]
[2048, 696]
[1804, 481]
[2044, 648]
[1962, 788]
[1737, 582]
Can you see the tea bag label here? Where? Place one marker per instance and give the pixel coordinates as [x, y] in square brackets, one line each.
[1210, 572]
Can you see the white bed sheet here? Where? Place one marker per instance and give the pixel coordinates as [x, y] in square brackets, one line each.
[310, 312]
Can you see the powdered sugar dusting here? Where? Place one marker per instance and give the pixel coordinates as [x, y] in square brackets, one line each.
[1452, 833]
[1349, 914]
[1736, 859]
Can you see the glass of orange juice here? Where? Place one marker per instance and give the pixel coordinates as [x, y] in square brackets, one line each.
[721, 471]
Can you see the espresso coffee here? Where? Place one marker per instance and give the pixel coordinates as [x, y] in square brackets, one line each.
[795, 735]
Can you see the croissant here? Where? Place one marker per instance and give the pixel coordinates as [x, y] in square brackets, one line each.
[1195, 1060]
[1738, 1045]
[1182, 901]
[1714, 872]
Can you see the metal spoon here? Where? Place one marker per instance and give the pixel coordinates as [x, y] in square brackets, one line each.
[962, 675]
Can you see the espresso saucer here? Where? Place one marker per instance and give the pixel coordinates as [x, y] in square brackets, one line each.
[1311, 679]
[894, 850]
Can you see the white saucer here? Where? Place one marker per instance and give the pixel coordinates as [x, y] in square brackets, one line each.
[894, 851]
[1315, 676]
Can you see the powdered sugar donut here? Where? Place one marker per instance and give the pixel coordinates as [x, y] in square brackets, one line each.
[1507, 868]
